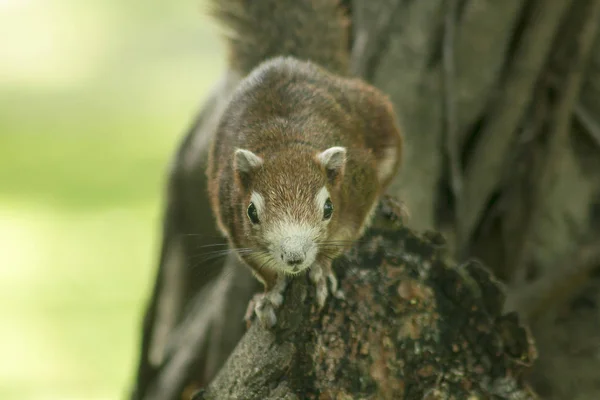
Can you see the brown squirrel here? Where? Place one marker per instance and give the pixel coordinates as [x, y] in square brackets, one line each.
[302, 152]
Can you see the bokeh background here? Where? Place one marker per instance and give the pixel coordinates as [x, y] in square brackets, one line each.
[94, 97]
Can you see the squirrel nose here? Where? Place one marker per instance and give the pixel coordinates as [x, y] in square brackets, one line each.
[291, 251]
[293, 259]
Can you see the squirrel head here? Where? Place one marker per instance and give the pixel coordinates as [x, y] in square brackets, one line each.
[288, 205]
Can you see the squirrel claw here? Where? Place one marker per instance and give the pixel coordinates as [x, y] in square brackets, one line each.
[265, 311]
[333, 282]
[320, 276]
[265, 304]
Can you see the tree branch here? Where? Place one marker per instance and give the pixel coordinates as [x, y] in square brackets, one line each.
[205, 338]
[483, 46]
[368, 43]
[560, 128]
[411, 324]
[487, 160]
[451, 136]
[555, 288]
[590, 124]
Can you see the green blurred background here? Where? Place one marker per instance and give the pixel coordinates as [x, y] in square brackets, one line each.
[94, 97]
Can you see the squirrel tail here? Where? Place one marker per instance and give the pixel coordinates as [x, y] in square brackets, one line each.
[313, 30]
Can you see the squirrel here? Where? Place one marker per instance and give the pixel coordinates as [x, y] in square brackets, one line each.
[302, 152]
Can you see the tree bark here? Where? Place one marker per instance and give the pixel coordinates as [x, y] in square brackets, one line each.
[499, 103]
[412, 325]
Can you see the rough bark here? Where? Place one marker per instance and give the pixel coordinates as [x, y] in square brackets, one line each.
[412, 326]
[500, 105]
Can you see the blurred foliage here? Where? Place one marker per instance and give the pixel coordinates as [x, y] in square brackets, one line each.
[94, 97]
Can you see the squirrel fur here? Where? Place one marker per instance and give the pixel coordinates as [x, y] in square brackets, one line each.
[302, 152]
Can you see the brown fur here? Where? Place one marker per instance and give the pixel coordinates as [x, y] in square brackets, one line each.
[287, 111]
[315, 30]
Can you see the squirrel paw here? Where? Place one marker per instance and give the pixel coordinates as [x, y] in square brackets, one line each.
[321, 274]
[265, 308]
[265, 305]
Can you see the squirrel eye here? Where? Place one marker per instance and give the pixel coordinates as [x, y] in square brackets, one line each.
[327, 209]
[252, 213]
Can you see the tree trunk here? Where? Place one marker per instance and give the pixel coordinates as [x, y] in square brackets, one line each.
[499, 103]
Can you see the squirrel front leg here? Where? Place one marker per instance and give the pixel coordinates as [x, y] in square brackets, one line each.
[320, 274]
[265, 304]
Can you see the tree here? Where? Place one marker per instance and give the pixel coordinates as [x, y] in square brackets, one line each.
[498, 102]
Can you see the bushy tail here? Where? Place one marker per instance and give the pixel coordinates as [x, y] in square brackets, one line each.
[315, 30]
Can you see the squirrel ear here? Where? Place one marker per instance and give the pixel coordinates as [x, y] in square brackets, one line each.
[246, 161]
[333, 161]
